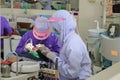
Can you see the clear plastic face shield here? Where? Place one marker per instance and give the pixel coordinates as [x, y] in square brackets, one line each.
[54, 23]
[63, 22]
[56, 30]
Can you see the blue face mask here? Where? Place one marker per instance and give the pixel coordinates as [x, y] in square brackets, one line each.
[56, 31]
[54, 26]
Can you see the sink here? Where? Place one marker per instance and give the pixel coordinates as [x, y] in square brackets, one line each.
[26, 66]
[95, 32]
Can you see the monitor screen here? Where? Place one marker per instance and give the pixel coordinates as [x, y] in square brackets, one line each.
[116, 8]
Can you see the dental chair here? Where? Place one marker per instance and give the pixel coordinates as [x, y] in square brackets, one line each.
[110, 48]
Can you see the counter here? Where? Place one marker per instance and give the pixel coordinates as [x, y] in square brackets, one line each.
[21, 76]
[111, 73]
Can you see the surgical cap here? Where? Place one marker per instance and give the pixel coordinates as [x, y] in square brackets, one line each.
[41, 29]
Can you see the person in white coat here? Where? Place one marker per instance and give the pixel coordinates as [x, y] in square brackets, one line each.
[74, 62]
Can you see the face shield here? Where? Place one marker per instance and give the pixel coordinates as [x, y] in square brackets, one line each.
[54, 22]
[56, 27]
[63, 22]
[41, 30]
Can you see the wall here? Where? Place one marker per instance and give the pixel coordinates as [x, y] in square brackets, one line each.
[74, 4]
[88, 12]
[16, 11]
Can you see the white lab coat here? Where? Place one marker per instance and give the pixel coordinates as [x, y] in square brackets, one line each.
[74, 62]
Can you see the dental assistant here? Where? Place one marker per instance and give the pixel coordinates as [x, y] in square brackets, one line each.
[74, 62]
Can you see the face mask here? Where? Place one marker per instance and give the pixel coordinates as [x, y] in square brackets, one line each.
[56, 31]
[56, 28]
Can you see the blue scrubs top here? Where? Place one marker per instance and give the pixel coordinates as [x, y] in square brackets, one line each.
[5, 29]
[52, 42]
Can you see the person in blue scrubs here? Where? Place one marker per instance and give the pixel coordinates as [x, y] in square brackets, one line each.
[5, 30]
[41, 34]
[74, 62]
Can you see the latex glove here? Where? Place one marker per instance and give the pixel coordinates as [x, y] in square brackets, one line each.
[51, 55]
[45, 51]
[40, 46]
[29, 46]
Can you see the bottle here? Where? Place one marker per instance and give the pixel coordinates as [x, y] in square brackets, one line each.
[5, 69]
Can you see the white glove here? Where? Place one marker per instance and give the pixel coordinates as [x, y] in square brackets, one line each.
[40, 46]
[29, 46]
[51, 55]
[46, 52]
